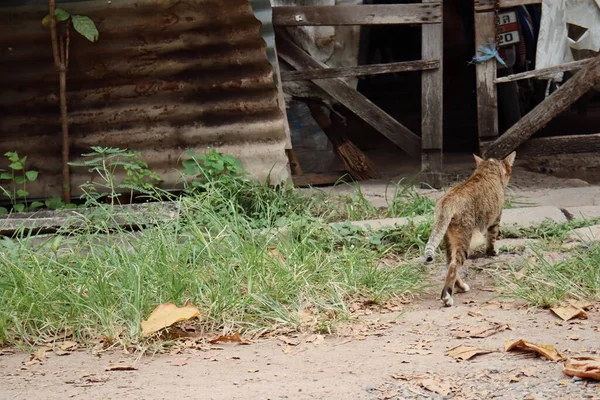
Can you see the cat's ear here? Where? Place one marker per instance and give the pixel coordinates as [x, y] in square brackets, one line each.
[478, 160]
[510, 159]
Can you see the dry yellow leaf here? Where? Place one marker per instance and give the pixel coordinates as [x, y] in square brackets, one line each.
[436, 386]
[569, 312]
[545, 350]
[166, 315]
[583, 367]
[464, 353]
[68, 345]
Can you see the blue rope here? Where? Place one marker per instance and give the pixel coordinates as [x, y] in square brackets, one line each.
[487, 54]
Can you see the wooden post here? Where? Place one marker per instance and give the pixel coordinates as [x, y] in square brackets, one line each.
[432, 95]
[557, 102]
[487, 96]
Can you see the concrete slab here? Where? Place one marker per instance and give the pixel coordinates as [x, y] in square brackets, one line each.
[530, 216]
[583, 212]
[588, 234]
[376, 224]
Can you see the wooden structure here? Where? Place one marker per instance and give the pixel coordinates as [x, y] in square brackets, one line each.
[428, 14]
[493, 145]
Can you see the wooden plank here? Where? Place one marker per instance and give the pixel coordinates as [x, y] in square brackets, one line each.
[488, 5]
[354, 101]
[361, 70]
[543, 113]
[542, 72]
[550, 146]
[392, 14]
[487, 95]
[432, 106]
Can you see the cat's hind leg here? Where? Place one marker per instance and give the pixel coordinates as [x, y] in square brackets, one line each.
[457, 247]
[492, 236]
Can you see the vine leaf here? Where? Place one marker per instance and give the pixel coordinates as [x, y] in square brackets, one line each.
[86, 27]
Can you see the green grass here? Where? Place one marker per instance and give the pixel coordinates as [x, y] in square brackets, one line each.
[543, 283]
[218, 255]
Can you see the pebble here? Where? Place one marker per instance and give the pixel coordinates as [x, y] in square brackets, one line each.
[576, 379]
[370, 389]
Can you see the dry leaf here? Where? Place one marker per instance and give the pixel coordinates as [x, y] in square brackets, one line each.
[481, 333]
[120, 367]
[68, 345]
[464, 353]
[573, 337]
[545, 350]
[276, 254]
[60, 352]
[236, 338]
[583, 367]
[289, 341]
[316, 339]
[438, 387]
[530, 372]
[584, 305]
[166, 315]
[569, 312]
[38, 356]
[179, 362]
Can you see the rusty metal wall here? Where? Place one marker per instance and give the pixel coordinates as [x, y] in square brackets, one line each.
[165, 76]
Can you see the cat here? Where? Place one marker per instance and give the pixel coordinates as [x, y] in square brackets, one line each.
[471, 206]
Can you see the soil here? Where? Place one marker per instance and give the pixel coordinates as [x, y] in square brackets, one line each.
[400, 353]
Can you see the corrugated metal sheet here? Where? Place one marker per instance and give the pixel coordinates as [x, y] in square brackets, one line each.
[165, 76]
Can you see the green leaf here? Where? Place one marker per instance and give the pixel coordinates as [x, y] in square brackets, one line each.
[36, 204]
[12, 156]
[6, 176]
[19, 207]
[61, 15]
[86, 27]
[17, 165]
[22, 193]
[31, 175]
[3, 211]
[19, 180]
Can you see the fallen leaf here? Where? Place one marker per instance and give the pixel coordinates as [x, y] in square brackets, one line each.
[481, 333]
[315, 339]
[464, 353]
[179, 362]
[289, 341]
[276, 254]
[474, 314]
[583, 367]
[60, 352]
[68, 345]
[530, 372]
[569, 312]
[38, 355]
[441, 388]
[584, 305]
[545, 350]
[120, 367]
[229, 338]
[573, 337]
[166, 315]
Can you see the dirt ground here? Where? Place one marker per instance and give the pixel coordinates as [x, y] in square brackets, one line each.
[397, 354]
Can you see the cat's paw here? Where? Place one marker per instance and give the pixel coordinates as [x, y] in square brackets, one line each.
[491, 252]
[447, 299]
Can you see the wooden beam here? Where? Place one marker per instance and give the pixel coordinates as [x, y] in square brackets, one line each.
[361, 70]
[353, 100]
[393, 14]
[543, 113]
[542, 72]
[432, 105]
[488, 5]
[550, 146]
[485, 73]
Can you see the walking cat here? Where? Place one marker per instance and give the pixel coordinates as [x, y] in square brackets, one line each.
[474, 205]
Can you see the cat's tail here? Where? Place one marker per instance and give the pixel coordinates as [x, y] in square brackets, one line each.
[440, 226]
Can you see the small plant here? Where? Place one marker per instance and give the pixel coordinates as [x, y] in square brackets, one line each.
[17, 177]
[59, 22]
[106, 163]
[210, 167]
